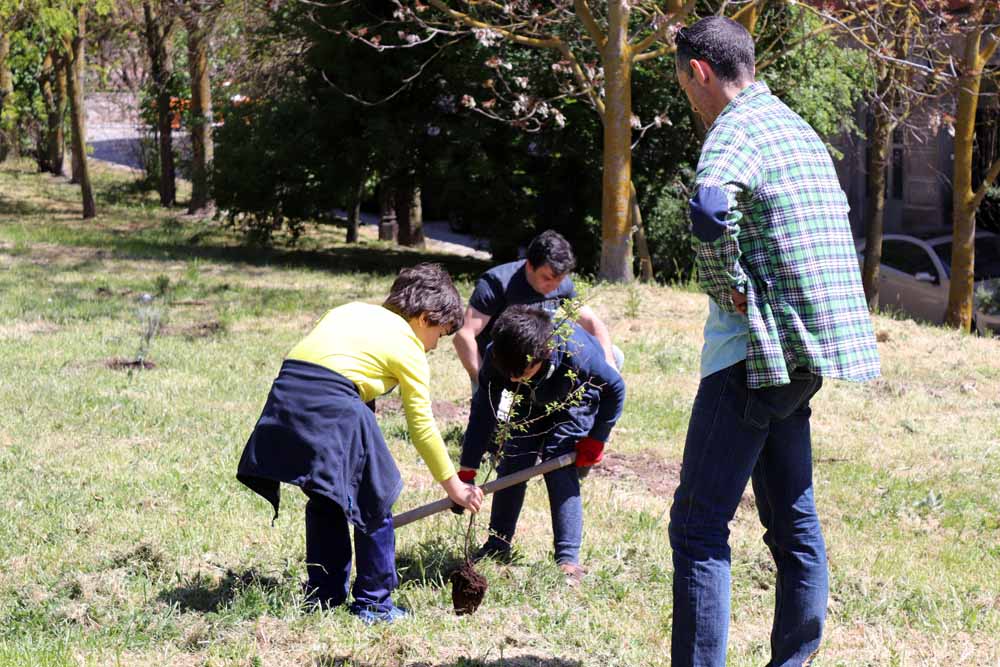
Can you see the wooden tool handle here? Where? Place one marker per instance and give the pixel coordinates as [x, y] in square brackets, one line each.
[490, 487]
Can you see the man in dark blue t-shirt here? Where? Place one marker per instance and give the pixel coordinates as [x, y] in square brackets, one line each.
[541, 280]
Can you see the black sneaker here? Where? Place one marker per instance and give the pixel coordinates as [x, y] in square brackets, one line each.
[494, 552]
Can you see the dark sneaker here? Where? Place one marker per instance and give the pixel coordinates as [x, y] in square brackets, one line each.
[494, 552]
[371, 616]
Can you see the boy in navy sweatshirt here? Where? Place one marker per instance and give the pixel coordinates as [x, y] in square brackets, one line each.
[567, 397]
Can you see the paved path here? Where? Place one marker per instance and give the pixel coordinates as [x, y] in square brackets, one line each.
[440, 235]
[119, 144]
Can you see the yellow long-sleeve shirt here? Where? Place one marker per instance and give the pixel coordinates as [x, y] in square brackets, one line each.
[377, 349]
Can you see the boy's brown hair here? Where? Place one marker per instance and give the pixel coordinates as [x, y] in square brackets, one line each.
[426, 289]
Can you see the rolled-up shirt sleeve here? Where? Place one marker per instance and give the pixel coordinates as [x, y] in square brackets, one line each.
[728, 172]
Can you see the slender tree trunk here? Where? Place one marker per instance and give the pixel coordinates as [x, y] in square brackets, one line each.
[75, 65]
[616, 233]
[43, 155]
[6, 87]
[199, 29]
[639, 237]
[57, 116]
[354, 207]
[409, 216]
[387, 212]
[159, 30]
[878, 159]
[959, 311]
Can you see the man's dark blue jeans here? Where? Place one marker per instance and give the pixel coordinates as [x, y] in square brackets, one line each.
[738, 434]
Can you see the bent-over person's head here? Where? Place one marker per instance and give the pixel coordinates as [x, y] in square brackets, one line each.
[714, 56]
[521, 338]
[550, 258]
[425, 297]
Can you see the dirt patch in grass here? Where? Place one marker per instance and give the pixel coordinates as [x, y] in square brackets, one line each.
[108, 293]
[659, 476]
[120, 364]
[197, 330]
[47, 254]
[143, 557]
[444, 411]
[24, 330]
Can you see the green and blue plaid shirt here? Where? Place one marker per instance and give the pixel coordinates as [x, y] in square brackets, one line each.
[769, 219]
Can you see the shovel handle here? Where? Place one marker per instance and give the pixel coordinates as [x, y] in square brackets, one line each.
[490, 487]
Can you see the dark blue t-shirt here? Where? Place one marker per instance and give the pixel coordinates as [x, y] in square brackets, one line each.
[507, 285]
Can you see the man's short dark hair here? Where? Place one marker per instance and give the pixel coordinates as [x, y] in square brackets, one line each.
[521, 338]
[551, 248]
[426, 289]
[721, 42]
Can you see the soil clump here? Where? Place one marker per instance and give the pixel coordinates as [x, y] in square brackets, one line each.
[468, 588]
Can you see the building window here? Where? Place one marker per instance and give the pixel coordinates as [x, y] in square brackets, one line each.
[897, 173]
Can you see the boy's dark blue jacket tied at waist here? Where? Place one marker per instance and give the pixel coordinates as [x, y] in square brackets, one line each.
[316, 433]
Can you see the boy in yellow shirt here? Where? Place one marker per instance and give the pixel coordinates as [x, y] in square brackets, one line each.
[317, 433]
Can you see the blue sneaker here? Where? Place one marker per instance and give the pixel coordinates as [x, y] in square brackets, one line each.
[371, 616]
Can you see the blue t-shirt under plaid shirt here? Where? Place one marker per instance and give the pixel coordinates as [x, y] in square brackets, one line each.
[769, 219]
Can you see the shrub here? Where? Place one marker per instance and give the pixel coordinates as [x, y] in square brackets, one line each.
[667, 232]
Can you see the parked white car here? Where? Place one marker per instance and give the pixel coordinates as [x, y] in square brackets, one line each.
[916, 270]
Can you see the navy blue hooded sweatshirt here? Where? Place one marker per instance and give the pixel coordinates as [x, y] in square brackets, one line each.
[576, 360]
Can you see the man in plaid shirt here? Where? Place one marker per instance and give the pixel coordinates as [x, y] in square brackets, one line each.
[786, 309]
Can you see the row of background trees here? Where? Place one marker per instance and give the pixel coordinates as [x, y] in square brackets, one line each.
[503, 117]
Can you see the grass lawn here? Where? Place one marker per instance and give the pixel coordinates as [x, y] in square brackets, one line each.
[126, 540]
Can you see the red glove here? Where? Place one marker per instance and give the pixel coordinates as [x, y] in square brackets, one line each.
[589, 452]
[467, 476]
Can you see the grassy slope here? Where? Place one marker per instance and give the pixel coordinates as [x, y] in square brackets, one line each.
[124, 538]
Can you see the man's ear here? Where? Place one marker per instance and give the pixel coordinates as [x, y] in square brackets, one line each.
[701, 71]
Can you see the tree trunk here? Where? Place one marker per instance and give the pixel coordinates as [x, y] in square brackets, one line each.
[158, 34]
[6, 88]
[878, 159]
[387, 213]
[639, 238]
[748, 14]
[409, 216]
[75, 66]
[57, 116]
[43, 155]
[354, 207]
[959, 311]
[199, 29]
[616, 233]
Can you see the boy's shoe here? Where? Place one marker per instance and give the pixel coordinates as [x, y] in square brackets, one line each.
[371, 616]
[574, 573]
[493, 552]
